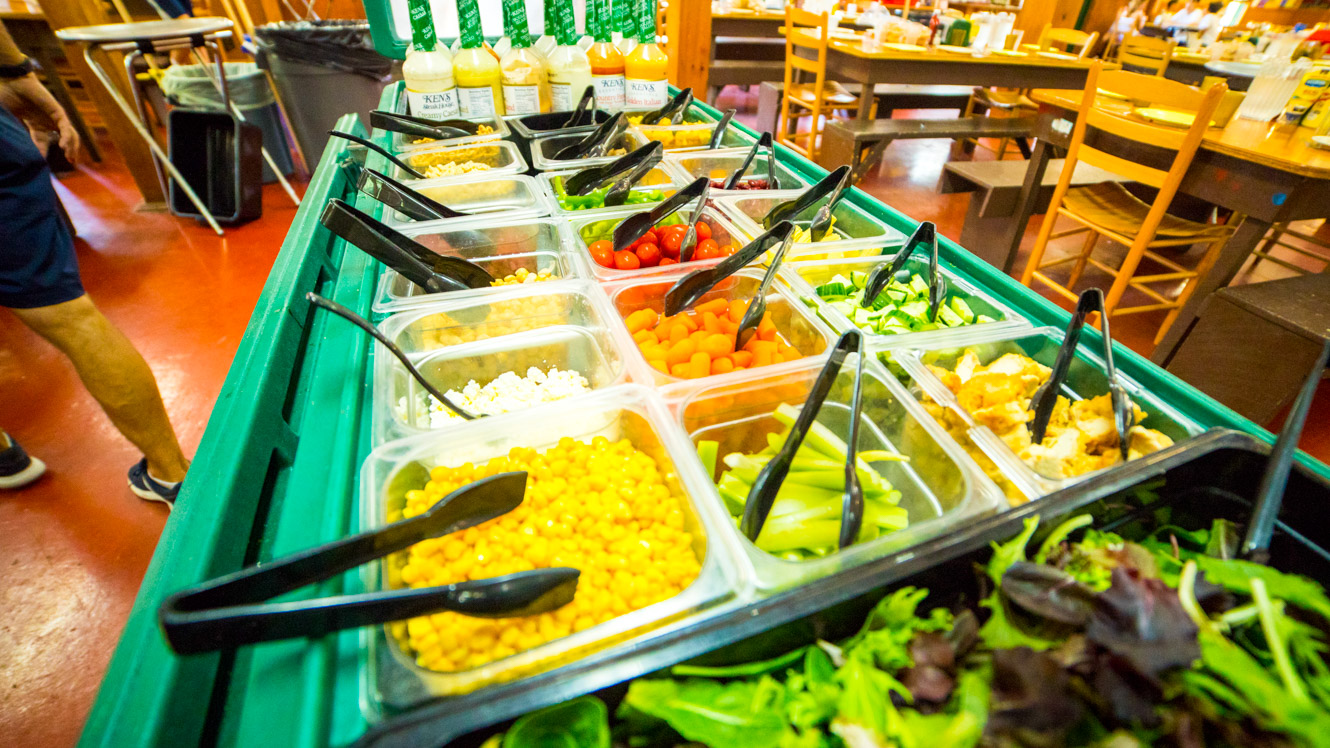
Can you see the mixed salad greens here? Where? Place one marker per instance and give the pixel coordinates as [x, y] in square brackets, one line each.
[1094, 642]
[805, 519]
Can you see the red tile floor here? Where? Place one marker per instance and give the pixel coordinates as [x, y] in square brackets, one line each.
[76, 544]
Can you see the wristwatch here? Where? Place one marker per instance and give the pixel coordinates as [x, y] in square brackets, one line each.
[19, 70]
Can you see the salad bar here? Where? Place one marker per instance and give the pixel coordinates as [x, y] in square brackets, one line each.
[714, 444]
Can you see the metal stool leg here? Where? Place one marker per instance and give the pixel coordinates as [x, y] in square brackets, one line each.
[142, 129]
[130, 57]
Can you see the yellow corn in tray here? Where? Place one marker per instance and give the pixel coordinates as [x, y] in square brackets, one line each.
[602, 507]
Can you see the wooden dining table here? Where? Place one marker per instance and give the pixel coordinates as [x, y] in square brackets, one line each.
[1262, 172]
[848, 61]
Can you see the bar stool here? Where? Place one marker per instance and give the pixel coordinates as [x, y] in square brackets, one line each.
[148, 37]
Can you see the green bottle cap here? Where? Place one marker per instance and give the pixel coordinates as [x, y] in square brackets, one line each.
[515, 23]
[646, 22]
[623, 18]
[565, 23]
[603, 19]
[423, 36]
[468, 24]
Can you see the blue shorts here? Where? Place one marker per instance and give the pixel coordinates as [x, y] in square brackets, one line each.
[37, 262]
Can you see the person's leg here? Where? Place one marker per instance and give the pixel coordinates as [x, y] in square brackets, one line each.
[116, 376]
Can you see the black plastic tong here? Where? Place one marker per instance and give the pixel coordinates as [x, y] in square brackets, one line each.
[772, 179]
[404, 166]
[398, 353]
[399, 197]
[597, 142]
[1270, 495]
[719, 132]
[431, 271]
[421, 126]
[881, 275]
[1124, 413]
[833, 185]
[674, 109]
[638, 224]
[767, 484]
[628, 169]
[585, 104]
[229, 611]
[692, 287]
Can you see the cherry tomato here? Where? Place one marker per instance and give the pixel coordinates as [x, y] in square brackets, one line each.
[703, 230]
[603, 253]
[670, 243]
[649, 254]
[625, 260]
[668, 261]
[650, 237]
[707, 249]
[726, 250]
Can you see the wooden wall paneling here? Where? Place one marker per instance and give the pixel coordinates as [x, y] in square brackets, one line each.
[1034, 14]
[688, 28]
[63, 14]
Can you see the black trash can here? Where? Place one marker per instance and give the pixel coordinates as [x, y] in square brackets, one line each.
[322, 70]
[192, 87]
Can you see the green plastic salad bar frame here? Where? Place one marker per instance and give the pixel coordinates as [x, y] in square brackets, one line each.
[277, 471]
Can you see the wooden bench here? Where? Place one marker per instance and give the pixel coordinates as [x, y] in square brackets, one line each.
[890, 97]
[997, 187]
[853, 142]
[740, 61]
[1251, 346]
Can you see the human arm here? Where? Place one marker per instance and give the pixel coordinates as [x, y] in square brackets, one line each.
[28, 99]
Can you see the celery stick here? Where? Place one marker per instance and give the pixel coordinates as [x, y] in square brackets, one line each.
[778, 537]
[734, 501]
[706, 452]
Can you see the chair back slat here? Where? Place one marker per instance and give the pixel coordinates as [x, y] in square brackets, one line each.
[1067, 40]
[1146, 54]
[1129, 131]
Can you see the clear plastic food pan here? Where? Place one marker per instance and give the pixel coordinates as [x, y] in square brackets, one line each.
[658, 180]
[413, 660]
[805, 277]
[543, 150]
[858, 233]
[798, 332]
[500, 247]
[939, 486]
[719, 165]
[601, 224]
[411, 143]
[440, 161]
[503, 196]
[1018, 480]
[585, 340]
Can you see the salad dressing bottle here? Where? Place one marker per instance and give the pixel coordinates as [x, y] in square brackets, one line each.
[606, 62]
[549, 39]
[625, 26]
[569, 68]
[645, 69]
[526, 88]
[479, 79]
[428, 70]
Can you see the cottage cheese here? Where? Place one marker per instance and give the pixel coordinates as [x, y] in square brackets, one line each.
[508, 392]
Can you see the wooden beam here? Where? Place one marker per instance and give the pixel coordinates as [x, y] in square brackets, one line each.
[63, 14]
[688, 30]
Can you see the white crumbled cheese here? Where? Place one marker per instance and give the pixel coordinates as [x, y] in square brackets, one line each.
[506, 393]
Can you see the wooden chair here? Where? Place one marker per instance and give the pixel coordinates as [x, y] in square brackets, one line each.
[1011, 102]
[1067, 41]
[1146, 54]
[805, 59]
[1109, 210]
[1277, 238]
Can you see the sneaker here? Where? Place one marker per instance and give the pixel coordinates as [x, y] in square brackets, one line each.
[149, 488]
[17, 469]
